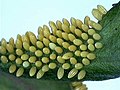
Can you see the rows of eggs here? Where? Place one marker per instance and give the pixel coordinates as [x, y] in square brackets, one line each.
[69, 46]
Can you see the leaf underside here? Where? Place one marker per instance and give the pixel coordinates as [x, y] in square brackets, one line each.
[107, 64]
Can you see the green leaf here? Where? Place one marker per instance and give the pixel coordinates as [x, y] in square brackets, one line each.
[10, 82]
[107, 64]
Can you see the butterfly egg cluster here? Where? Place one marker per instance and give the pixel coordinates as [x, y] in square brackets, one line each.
[65, 46]
[79, 86]
[99, 12]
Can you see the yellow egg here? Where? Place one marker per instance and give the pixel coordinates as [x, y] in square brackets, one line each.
[40, 30]
[65, 45]
[90, 41]
[72, 48]
[96, 13]
[65, 21]
[25, 39]
[52, 56]
[32, 59]
[10, 48]
[32, 48]
[90, 23]
[77, 42]
[54, 30]
[91, 47]
[52, 65]
[4, 59]
[19, 52]
[46, 31]
[60, 59]
[60, 41]
[83, 47]
[72, 28]
[19, 37]
[58, 49]
[85, 27]
[46, 42]
[66, 66]
[11, 57]
[73, 60]
[91, 56]
[3, 42]
[72, 73]
[98, 45]
[71, 37]
[52, 46]
[32, 71]
[40, 74]
[46, 50]
[78, 32]
[52, 38]
[38, 63]
[79, 23]
[45, 68]
[26, 64]
[73, 21]
[11, 41]
[67, 55]
[28, 34]
[45, 59]
[96, 36]
[86, 19]
[26, 46]
[60, 73]
[18, 44]
[65, 36]
[81, 87]
[39, 44]
[84, 54]
[65, 28]
[12, 68]
[59, 33]
[59, 24]
[85, 61]
[75, 84]
[77, 52]
[20, 72]
[38, 53]
[81, 74]
[91, 31]
[24, 56]
[3, 50]
[18, 61]
[52, 24]
[40, 37]
[101, 9]
[84, 36]
[78, 66]
[97, 26]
